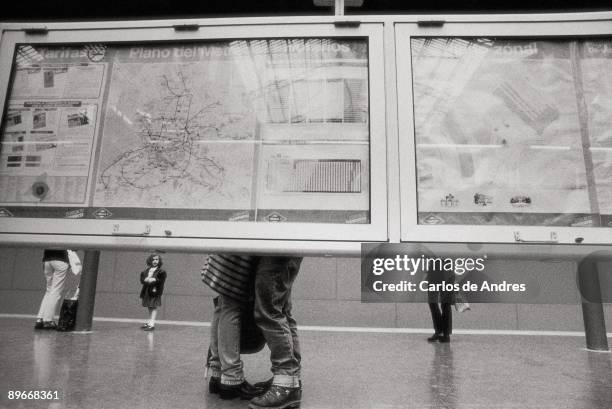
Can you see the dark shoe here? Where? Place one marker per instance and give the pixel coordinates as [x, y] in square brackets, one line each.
[49, 325]
[434, 338]
[38, 324]
[278, 397]
[213, 384]
[148, 328]
[145, 325]
[444, 339]
[243, 391]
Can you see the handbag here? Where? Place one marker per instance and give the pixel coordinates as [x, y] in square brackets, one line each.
[68, 312]
[75, 262]
[461, 304]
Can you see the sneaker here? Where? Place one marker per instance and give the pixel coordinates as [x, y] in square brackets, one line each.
[213, 384]
[145, 325]
[278, 397]
[243, 391]
[38, 324]
[148, 328]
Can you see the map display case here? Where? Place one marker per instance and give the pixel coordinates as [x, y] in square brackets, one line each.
[309, 134]
[508, 125]
[223, 134]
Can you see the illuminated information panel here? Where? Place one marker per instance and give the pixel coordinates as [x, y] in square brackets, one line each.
[225, 130]
[513, 131]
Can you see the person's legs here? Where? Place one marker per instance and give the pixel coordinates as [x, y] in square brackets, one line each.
[294, 335]
[55, 273]
[436, 317]
[213, 361]
[152, 316]
[48, 272]
[229, 341]
[232, 383]
[273, 282]
[446, 322]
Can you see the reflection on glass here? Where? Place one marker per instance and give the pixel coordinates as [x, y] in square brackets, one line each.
[266, 130]
[512, 131]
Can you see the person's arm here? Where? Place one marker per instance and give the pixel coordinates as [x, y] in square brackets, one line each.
[161, 278]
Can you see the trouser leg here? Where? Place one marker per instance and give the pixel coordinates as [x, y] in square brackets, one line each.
[48, 272]
[273, 282]
[293, 328]
[232, 368]
[55, 273]
[214, 362]
[436, 317]
[447, 318]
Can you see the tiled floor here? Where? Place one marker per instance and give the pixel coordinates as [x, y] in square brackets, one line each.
[119, 366]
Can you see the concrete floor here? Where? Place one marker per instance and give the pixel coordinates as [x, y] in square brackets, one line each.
[119, 366]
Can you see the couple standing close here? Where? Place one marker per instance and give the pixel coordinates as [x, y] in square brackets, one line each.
[240, 280]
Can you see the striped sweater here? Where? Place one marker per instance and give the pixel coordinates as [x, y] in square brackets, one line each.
[230, 275]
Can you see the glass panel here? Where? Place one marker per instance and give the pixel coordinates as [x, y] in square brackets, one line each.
[513, 132]
[266, 130]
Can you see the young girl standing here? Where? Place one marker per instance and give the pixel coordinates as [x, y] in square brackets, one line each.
[152, 278]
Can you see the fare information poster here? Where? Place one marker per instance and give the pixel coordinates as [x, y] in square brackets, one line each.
[266, 130]
[50, 126]
[513, 132]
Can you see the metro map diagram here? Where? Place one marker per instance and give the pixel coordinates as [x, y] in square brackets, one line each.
[165, 140]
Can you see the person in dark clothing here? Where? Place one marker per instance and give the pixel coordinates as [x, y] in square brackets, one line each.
[440, 304]
[152, 279]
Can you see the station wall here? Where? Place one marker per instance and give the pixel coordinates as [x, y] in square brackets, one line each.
[326, 293]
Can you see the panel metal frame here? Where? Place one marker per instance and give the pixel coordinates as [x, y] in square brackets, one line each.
[180, 234]
[521, 28]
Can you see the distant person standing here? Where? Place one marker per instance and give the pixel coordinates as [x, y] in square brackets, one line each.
[55, 267]
[440, 304]
[152, 279]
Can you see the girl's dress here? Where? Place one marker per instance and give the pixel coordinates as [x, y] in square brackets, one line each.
[151, 292]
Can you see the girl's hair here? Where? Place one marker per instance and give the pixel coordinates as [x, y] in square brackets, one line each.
[150, 259]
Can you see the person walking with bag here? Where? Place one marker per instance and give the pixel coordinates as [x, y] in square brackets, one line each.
[55, 267]
[230, 276]
[152, 279]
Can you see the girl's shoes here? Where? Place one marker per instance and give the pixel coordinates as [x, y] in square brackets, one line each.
[148, 327]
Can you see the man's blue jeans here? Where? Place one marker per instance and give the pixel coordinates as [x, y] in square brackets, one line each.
[273, 283]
